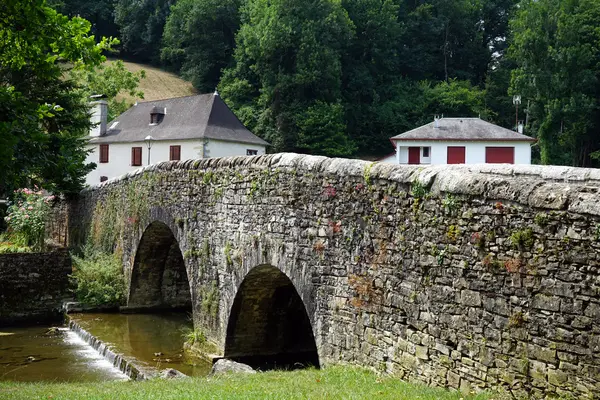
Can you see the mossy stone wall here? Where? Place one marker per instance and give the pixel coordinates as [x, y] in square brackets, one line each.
[468, 277]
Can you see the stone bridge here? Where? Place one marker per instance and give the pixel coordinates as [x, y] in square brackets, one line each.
[460, 276]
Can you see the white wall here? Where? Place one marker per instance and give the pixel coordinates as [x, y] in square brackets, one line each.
[119, 155]
[474, 151]
[218, 148]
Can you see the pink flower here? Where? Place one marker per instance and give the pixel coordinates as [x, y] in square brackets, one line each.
[22, 209]
[8, 218]
[30, 208]
[26, 216]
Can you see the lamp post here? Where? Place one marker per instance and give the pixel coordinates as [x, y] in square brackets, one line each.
[148, 140]
[516, 102]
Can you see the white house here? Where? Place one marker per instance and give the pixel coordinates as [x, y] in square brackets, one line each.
[461, 141]
[181, 128]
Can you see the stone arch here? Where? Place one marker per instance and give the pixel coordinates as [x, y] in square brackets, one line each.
[268, 324]
[159, 278]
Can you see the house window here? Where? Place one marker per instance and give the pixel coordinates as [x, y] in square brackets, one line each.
[250, 152]
[103, 178]
[103, 153]
[175, 153]
[456, 155]
[426, 152]
[500, 155]
[136, 156]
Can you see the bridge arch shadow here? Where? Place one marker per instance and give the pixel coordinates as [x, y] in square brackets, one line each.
[268, 325]
[159, 279]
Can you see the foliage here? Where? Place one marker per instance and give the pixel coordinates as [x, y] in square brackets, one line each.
[199, 38]
[26, 219]
[556, 46]
[42, 115]
[98, 278]
[100, 13]
[110, 79]
[287, 72]
[141, 24]
[522, 238]
[194, 336]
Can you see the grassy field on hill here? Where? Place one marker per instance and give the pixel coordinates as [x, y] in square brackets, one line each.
[329, 383]
[158, 84]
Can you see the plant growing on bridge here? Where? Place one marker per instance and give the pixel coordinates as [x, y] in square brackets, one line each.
[522, 238]
[98, 278]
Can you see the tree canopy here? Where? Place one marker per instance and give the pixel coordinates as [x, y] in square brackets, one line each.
[339, 77]
[42, 117]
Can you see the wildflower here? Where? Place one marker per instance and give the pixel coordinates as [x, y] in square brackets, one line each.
[30, 208]
[26, 215]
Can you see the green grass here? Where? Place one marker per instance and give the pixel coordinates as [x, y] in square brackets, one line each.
[331, 383]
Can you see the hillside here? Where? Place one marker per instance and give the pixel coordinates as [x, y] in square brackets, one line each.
[158, 84]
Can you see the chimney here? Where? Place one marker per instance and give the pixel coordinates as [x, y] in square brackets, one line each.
[99, 117]
[520, 127]
[436, 121]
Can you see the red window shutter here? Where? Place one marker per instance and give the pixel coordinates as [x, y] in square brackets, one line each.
[500, 155]
[136, 156]
[175, 153]
[414, 155]
[103, 153]
[456, 155]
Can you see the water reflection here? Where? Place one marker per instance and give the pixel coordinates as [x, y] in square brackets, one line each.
[154, 340]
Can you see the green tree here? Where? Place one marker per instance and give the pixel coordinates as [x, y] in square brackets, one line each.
[100, 13]
[288, 62]
[199, 39]
[141, 24]
[42, 117]
[370, 65]
[556, 46]
[110, 79]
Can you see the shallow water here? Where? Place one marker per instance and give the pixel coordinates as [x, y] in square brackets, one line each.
[154, 340]
[37, 354]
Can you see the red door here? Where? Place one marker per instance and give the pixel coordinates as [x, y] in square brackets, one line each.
[456, 155]
[500, 155]
[414, 155]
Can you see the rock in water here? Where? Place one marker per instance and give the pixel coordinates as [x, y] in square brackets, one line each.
[172, 374]
[223, 366]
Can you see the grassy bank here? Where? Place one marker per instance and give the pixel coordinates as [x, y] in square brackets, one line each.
[331, 383]
[158, 84]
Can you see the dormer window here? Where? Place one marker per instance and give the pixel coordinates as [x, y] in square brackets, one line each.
[157, 114]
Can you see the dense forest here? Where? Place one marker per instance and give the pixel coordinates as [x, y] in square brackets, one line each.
[339, 77]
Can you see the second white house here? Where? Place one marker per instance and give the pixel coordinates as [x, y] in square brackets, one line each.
[461, 141]
[174, 129]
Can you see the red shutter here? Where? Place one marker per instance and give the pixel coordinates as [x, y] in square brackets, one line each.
[103, 153]
[500, 155]
[175, 153]
[414, 155]
[456, 155]
[136, 156]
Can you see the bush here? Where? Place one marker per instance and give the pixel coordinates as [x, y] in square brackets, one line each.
[26, 219]
[98, 278]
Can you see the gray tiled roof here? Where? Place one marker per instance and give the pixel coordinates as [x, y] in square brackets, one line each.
[191, 117]
[461, 129]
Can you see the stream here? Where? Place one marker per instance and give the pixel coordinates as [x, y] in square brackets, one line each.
[42, 353]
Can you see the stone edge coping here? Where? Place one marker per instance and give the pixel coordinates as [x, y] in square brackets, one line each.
[549, 187]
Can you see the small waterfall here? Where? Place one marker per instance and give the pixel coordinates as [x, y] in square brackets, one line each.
[117, 360]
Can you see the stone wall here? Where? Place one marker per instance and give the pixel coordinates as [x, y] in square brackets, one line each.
[468, 277]
[33, 286]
